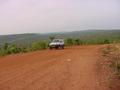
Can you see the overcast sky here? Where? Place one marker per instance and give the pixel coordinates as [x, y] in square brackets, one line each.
[42, 16]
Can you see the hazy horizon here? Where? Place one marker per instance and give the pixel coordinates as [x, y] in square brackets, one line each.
[45, 16]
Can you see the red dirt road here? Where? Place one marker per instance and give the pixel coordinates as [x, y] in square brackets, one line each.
[74, 68]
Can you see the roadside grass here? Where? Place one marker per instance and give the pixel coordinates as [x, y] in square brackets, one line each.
[112, 53]
[111, 56]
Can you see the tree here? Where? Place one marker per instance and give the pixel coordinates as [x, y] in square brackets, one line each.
[69, 41]
[5, 46]
[51, 38]
[78, 41]
[39, 45]
[14, 49]
[106, 41]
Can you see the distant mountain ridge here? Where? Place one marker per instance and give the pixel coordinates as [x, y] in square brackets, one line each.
[85, 34]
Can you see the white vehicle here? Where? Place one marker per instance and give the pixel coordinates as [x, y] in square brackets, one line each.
[57, 43]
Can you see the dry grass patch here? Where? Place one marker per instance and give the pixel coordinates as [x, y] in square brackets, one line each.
[111, 53]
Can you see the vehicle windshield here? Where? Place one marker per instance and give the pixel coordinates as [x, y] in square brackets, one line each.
[56, 40]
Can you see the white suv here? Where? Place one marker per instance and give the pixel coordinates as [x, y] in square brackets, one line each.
[57, 43]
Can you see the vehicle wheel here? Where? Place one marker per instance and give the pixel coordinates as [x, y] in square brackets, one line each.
[50, 48]
[62, 47]
[56, 47]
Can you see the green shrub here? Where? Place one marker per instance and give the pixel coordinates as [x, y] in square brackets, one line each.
[39, 45]
[69, 41]
[25, 49]
[78, 42]
[4, 50]
[13, 49]
[9, 49]
[5, 46]
[106, 41]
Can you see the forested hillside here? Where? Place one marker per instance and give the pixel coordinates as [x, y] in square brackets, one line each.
[83, 35]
